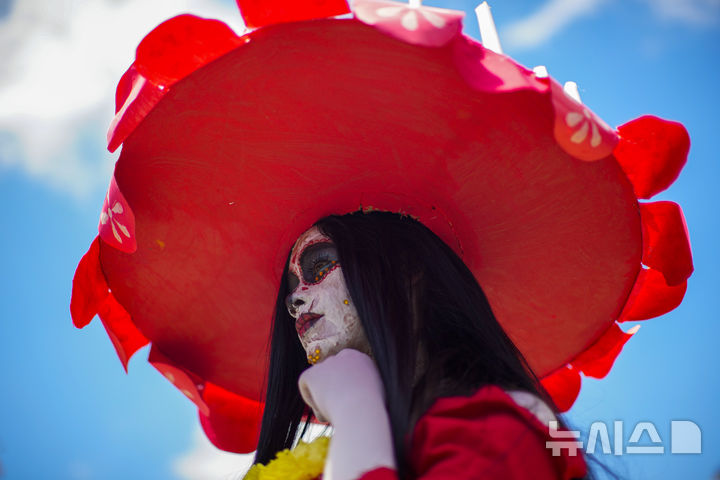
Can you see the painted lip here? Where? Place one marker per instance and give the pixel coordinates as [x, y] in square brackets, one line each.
[305, 321]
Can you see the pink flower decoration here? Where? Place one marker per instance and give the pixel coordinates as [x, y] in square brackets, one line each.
[579, 131]
[487, 71]
[117, 222]
[427, 26]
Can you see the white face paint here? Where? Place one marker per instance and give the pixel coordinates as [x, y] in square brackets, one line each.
[325, 318]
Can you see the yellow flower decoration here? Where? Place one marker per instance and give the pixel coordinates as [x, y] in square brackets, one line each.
[305, 462]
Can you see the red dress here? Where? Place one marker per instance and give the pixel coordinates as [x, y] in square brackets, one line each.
[484, 436]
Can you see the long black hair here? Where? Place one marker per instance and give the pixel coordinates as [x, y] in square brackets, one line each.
[430, 327]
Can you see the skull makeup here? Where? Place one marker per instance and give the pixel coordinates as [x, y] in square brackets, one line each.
[325, 318]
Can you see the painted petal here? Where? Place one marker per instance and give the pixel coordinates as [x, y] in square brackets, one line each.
[563, 386]
[123, 333]
[666, 244]
[651, 296]
[435, 20]
[581, 133]
[487, 71]
[597, 360]
[181, 45]
[190, 385]
[602, 140]
[173, 50]
[427, 26]
[258, 13]
[124, 230]
[596, 138]
[115, 233]
[410, 21]
[89, 289]
[573, 118]
[651, 152]
[123, 219]
[388, 12]
[233, 421]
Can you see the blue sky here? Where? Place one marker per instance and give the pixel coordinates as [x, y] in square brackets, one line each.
[68, 411]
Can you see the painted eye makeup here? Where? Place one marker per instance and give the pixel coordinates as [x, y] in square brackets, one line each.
[317, 261]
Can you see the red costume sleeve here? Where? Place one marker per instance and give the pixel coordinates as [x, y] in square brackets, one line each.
[485, 436]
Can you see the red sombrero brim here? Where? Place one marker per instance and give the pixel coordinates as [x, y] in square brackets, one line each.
[224, 166]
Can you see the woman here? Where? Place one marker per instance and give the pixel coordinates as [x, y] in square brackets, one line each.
[232, 146]
[385, 285]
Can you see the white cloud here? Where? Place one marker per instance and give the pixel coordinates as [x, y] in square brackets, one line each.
[549, 19]
[554, 15]
[61, 62]
[205, 462]
[698, 12]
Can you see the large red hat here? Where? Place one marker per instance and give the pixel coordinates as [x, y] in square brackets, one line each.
[234, 145]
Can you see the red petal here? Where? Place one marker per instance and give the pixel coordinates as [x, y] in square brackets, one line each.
[124, 87]
[89, 289]
[258, 13]
[123, 333]
[651, 296]
[597, 360]
[181, 45]
[233, 423]
[563, 385]
[189, 384]
[117, 221]
[173, 50]
[426, 33]
[666, 245]
[651, 152]
[135, 97]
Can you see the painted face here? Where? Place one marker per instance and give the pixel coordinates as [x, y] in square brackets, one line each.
[325, 318]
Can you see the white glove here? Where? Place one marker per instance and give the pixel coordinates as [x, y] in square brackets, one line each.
[346, 391]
